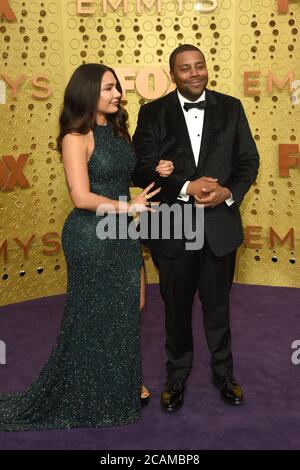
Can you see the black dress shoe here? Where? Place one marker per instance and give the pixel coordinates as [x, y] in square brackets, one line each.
[231, 391]
[172, 396]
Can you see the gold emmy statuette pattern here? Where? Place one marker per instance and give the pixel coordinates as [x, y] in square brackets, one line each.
[251, 51]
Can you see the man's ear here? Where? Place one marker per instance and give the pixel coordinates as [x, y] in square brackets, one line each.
[172, 76]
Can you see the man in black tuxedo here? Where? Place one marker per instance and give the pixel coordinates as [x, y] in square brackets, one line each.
[207, 136]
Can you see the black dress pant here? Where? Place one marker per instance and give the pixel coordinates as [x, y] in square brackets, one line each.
[180, 277]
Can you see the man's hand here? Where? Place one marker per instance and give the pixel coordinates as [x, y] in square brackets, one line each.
[213, 198]
[202, 186]
[165, 168]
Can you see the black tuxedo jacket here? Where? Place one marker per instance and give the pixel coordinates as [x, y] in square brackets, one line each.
[228, 152]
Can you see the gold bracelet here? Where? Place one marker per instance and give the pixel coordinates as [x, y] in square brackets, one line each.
[133, 212]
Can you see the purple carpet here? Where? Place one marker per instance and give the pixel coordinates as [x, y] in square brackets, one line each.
[265, 322]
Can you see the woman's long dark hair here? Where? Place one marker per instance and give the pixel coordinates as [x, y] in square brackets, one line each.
[80, 104]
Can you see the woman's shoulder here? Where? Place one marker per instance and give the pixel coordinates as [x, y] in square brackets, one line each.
[76, 137]
[79, 140]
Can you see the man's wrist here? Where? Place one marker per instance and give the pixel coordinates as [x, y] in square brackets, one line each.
[227, 193]
[229, 199]
[189, 187]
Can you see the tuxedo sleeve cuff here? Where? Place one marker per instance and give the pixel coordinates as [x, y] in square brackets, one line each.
[229, 201]
[183, 196]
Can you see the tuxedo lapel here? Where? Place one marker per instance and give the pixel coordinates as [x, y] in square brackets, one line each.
[179, 129]
[211, 122]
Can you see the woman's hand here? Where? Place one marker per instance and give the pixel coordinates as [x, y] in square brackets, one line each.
[140, 202]
[165, 168]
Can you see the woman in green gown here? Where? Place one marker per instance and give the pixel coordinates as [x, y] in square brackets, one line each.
[93, 375]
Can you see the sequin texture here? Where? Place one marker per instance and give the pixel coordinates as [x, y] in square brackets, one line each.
[93, 375]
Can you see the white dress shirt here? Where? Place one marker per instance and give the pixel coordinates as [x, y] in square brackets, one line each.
[194, 119]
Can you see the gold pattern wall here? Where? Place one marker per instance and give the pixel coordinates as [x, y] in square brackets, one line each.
[44, 44]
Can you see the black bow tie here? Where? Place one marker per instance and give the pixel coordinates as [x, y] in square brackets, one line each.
[199, 105]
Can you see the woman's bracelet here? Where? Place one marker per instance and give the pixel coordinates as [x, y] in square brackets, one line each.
[131, 209]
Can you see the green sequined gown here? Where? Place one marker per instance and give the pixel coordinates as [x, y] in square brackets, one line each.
[92, 377]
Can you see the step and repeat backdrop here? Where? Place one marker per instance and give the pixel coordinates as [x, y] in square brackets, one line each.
[252, 52]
